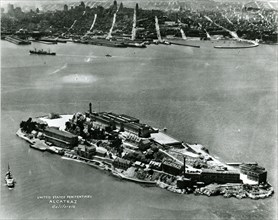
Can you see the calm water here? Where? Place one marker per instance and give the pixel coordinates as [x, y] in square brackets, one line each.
[223, 99]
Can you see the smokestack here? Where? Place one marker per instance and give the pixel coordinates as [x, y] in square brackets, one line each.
[90, 108]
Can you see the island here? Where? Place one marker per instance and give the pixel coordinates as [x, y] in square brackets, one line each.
[131, 150]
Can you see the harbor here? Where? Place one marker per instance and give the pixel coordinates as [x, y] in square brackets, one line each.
[57, 76]
[155, 29]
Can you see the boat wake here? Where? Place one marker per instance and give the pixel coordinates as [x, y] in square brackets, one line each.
[78, 78]
[89, 58]
[59, 69]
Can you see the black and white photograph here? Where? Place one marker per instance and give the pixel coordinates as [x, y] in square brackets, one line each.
[139, 109]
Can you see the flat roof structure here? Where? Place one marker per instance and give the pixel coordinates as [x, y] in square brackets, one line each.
[60, 133]
[164, 139]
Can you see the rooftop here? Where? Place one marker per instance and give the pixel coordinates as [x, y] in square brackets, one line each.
[164, 139]
[219, 171]
[121, 160]
[61, 133]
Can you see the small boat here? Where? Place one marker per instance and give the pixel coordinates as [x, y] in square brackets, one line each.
[10, 182]
[42, 52]
[108, 55]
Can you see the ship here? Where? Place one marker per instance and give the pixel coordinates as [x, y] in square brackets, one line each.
[10, 182]
[42, 52]
[135, 44]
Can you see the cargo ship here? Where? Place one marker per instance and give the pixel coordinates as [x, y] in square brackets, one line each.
[42, 52]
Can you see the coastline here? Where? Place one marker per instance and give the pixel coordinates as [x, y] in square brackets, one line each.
[230, 190]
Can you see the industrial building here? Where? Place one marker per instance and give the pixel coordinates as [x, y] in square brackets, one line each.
[171, 167]
[213, 176]
[254, 172]
[122, 123]
[165, 140]
[60, 138]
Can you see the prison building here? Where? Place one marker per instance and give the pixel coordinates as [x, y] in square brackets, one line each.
[121, 163]
[172, 167]
[60, 138]
[213, 176]
[254, 172]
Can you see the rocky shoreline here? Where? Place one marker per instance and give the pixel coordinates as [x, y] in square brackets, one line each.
[140, 173]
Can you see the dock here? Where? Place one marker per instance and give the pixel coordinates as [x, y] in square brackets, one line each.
[17, 40]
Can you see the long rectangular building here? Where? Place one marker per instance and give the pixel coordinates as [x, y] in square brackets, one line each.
[254, 172]
[122, 123]
[60, 138]
[214, 176]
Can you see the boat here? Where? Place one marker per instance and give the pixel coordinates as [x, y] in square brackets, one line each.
[10, 182]
[136, 45]
[108, 55]
[42, 52]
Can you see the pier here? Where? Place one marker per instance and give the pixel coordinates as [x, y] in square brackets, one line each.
[17, 40]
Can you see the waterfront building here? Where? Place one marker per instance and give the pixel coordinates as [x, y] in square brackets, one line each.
[254, 172]
[17, 40]
[86, 151]
[213, 176]
[60, 138]
[139, 129]
[165, 139]
[171, 167]
[121, 163]
[183, 183]
[101, 151]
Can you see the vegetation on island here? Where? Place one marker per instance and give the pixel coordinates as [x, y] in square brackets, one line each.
[143, 160]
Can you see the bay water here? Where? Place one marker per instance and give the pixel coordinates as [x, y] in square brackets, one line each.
[222, 99]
